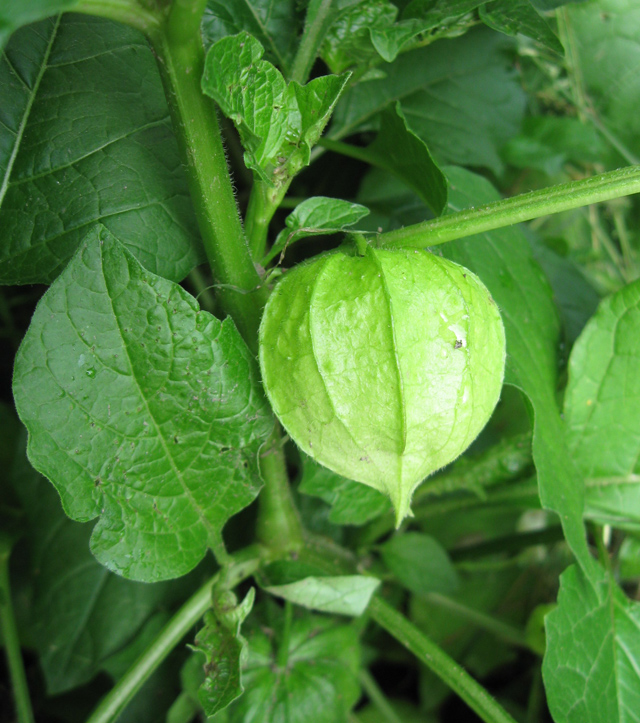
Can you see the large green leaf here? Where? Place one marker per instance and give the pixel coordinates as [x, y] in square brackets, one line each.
[275, 23]
[605, 44]
[504, 261]
[314, 678]
[278, 122]
[85, 136]
[80, 613]
[602, 409]
[460, 96]
[141, 409]
[15, 13]
[342, 595]
[592, 664]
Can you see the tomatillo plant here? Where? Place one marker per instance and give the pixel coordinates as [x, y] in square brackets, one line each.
[282, 442]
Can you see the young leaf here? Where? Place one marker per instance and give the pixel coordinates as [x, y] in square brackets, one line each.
[345, 595]
[460, 96]
[420, 563]
[278, 123]
[351, 503]
[80, 614]
[316, 215]
[274, 25]
[85, 137]
[315, 674]
[225, 653]
[519, 16]
[591, 665]
[602, 409]
[141, 409]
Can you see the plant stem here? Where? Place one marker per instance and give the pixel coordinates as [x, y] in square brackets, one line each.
[278, 527]
[405, 632]
[315, 27]
[263, 203]
[506, 212]
[111, 706]
[12, 649]
[128, 12]
[180, 57]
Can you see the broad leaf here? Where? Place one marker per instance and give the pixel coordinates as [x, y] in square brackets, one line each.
[592, 664]
[400, 151]
[142, 410]
[314, 678]
[440, 12]
[225, 652]
[278, 123]
[80, 613]
[503, 260]
[16, 13]
[460, 96]
[317, 215]
[274, 23]
[602, 409]
[351, 503]
[345, 595]
[520, 16]
[84, 137]
[420, 563]
[605, 38]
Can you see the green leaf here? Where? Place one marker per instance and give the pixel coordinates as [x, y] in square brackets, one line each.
[605, 45]
[278, 123]
[315, 679]
[225, 652]
[85, 137]
[344, 595]
[602, 409]
[348, 43]
[400, 151]
[591, 669]
[351, 503]
[274, 24]
[503, 260]
[460, 96]
[317, 215]
[16, 13]
[80, 613]
[520, 16]
[141, 409]
[420, 563]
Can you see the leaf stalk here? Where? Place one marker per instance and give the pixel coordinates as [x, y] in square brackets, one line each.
[509, 211]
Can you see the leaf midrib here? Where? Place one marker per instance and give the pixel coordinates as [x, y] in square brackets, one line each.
[23, 123]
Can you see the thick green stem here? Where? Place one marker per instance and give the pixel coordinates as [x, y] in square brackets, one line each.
[181, 59]
[279, 527]
[111, 706]
[128, 12]
[9, 630]
[406, 633]
[525, 207]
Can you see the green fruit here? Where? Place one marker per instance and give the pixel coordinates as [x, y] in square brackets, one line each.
[382, 367]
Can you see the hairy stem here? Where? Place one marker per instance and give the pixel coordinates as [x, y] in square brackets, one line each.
[243, 564]
[406, 633]
[9, 631]
[315, 28]
[181, 60]
[509, 211]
